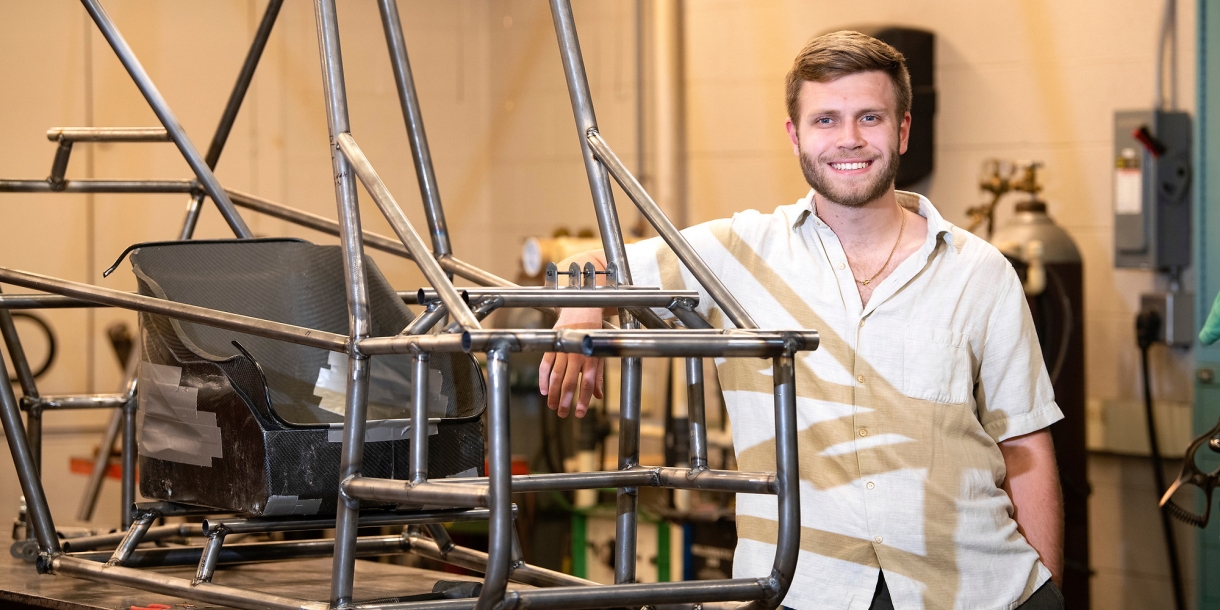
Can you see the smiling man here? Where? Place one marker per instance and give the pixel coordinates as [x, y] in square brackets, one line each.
[928, 479]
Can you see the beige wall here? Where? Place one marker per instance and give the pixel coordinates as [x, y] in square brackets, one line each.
[1021, 79]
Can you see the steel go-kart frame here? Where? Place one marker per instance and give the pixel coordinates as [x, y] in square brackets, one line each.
[410, 498]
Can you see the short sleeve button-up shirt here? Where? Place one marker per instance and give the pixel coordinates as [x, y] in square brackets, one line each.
[899, 411]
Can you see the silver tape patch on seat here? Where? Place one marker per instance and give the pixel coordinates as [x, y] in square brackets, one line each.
[331, 387]
[290, 505]
[171, 426]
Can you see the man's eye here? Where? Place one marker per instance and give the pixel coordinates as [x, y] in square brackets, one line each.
[870, 118]
[822, 121]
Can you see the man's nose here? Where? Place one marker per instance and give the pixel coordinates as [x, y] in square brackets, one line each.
[850, 136]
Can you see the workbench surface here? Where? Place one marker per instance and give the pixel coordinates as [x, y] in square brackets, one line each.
[21, 587]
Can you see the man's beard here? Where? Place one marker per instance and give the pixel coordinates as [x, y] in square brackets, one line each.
[815, 175]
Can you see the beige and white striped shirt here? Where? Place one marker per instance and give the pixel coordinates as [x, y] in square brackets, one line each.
[899, 411]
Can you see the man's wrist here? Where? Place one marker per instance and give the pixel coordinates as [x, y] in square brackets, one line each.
[576, 316]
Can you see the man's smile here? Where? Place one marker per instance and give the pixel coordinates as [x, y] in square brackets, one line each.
[849, 166]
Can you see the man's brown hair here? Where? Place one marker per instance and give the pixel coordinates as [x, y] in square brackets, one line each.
[838, 54]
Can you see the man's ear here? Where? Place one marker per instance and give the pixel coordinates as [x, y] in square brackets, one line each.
[904, 133]
[793, 137]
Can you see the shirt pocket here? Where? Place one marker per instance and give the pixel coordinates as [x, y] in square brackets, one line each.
[936, 365]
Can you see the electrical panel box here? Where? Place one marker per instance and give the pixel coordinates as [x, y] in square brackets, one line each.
[1152, 175]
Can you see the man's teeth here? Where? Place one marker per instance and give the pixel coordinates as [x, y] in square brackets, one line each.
[849, 166]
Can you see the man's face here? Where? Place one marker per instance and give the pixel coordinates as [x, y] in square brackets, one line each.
[849, 136]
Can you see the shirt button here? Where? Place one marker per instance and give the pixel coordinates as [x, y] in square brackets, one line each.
[842, 266]
[878, 539]
[861, 323]
[860, 378]
[870, 483]
[863, 432]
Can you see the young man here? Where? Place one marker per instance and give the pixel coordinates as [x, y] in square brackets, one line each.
[928, 478]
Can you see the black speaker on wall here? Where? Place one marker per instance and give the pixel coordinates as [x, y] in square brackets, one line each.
[918, 46]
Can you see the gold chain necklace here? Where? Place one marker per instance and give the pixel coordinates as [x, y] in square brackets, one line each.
[892, 251]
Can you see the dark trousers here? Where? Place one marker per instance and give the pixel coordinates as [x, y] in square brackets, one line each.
[1047, 597]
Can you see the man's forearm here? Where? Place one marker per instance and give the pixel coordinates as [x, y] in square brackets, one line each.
[578, 315]
[1033, 486]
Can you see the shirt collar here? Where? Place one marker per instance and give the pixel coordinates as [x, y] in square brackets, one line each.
[938, 227]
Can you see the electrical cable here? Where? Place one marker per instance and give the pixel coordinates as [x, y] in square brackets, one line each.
[1147, 325]
[52, 344]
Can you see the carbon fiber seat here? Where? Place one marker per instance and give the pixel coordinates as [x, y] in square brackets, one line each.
[252, 425]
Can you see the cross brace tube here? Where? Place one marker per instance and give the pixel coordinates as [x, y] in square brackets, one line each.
[406, 233]
[669, 232]
[99, 186]
[172, 585]
[159, 107]
[181, 311]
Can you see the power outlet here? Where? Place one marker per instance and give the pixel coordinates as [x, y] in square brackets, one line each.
[1177, 311]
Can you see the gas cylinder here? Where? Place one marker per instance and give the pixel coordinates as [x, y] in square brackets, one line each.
[1052, 272]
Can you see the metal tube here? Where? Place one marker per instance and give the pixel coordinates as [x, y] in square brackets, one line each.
[59, 166]
[689, 257]
[159, 107]
[636, 594]
[419, 418]
[409, 344]
[83, 401]
[499, 460]
[102, 541]
[21, 365]
[406, 233]
[628, 457]
[193, 208]
[372, 240]
[696, 343]
[528, 296]
[252, 552]
[477, 561]
[481, 310]
[472, 273]
[41, 301]
[238, 525]
[244, 77]
[424, 323]
[181, 311]
[420, 153]
[108, 134]
[351, 463]
[130, 453]
[640, 476]
[313, 221]
[655, 343]
[209, 556]
[690, 318]
[787, 475]
[582, 109]
[98, 186]
[158, 582]
[27, 470]
[428, 494]
[696, 411]
[29, 389]
[33, 430]
[138, 527]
